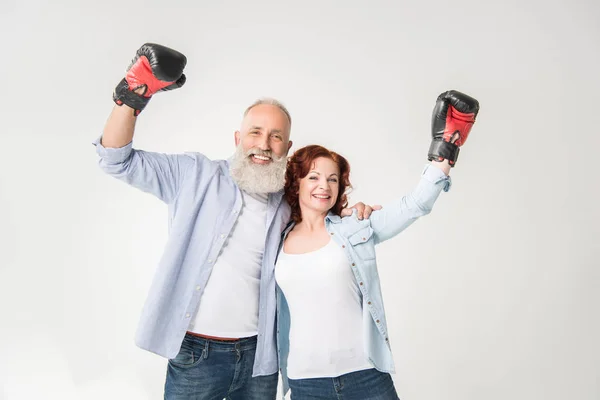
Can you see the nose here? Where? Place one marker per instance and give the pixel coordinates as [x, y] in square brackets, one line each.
[323, 184]
[263, 143]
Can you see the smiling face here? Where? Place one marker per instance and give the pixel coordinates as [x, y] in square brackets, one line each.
[262, 145]
[317, 181]
[319, 189]
[265, 134]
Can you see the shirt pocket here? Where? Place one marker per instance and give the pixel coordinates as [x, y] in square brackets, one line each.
[362, 244]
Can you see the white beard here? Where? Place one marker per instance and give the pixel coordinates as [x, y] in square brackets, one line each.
[258, 178]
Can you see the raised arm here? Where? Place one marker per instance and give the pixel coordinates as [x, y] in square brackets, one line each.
[453, 116]
[154, 68]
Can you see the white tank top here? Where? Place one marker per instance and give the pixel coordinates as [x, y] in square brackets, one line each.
[229, 305]
[326, 338]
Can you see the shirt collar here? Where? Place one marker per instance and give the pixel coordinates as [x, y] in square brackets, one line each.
[333, 218]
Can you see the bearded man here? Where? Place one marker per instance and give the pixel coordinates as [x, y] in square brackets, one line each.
[211, 306]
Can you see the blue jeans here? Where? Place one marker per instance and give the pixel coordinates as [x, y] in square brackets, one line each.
[208, 369]
[369, 384]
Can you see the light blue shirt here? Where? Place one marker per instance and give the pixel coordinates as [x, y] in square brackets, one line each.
[358, 239]
[203, 203]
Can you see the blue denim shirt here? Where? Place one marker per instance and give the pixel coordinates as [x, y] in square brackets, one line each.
[358, 238]
[203, 204]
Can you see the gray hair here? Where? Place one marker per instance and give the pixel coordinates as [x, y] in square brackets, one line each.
[272, 102]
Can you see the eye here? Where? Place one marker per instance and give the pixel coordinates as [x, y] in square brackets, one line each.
[334, 180]
[278, 137]
[312, 178]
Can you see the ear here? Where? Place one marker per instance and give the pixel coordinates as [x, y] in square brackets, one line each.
[290, 143]
[236, 137]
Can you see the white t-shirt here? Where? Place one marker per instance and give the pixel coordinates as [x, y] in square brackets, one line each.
[326, 338]
[229, 305]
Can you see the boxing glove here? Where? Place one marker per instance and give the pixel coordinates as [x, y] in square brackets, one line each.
[154, 68]
[453, 115]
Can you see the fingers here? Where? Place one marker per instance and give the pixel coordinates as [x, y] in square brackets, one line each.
[369, 210]
[360, 209]
[346, 212]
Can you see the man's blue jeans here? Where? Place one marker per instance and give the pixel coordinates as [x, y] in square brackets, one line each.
[208, 369]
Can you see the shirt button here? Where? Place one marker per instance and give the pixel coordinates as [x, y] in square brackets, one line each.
[343, 246]
[369, 303]
[332, 233]
[198, 287]
[209, 260]
[187, 315]
[222, 236]
[353, 264]
[364, 238]
[377, 321]
[361, 284]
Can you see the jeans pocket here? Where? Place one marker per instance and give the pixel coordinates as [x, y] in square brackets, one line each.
[189, 355]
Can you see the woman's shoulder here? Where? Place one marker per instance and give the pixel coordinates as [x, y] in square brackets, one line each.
[351, 224]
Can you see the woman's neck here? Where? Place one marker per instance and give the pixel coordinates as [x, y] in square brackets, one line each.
[311, 220]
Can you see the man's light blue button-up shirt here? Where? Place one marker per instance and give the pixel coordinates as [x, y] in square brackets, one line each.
[203, 203]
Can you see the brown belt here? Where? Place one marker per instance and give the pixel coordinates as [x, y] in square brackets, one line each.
[212, 337]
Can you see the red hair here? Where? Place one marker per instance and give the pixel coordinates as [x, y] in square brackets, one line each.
[300, 164]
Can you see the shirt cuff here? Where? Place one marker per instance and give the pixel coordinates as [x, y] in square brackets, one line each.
[436, 175]
[116, 155]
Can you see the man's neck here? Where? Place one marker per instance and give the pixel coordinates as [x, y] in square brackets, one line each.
[262, 197]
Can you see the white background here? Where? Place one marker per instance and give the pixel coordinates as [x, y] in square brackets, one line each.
[492, 296]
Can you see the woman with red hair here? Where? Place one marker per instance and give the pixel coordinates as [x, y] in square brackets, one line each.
[331, 328]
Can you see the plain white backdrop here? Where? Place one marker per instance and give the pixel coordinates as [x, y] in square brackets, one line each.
[492, 296]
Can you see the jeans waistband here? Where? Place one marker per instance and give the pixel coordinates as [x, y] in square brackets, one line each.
[248, 343]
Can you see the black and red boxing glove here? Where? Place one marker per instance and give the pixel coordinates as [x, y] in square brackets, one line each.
[154, 68]
[454, 113]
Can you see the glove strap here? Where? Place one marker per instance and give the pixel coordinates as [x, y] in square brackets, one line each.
[122, 95]
[445, 150]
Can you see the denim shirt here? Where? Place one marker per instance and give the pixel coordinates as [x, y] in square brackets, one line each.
[358, 239]
[203, 205]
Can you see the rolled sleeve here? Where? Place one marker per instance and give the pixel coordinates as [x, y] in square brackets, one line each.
[437, 176]
[113, 155]
[156, 173]
[398, 215]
